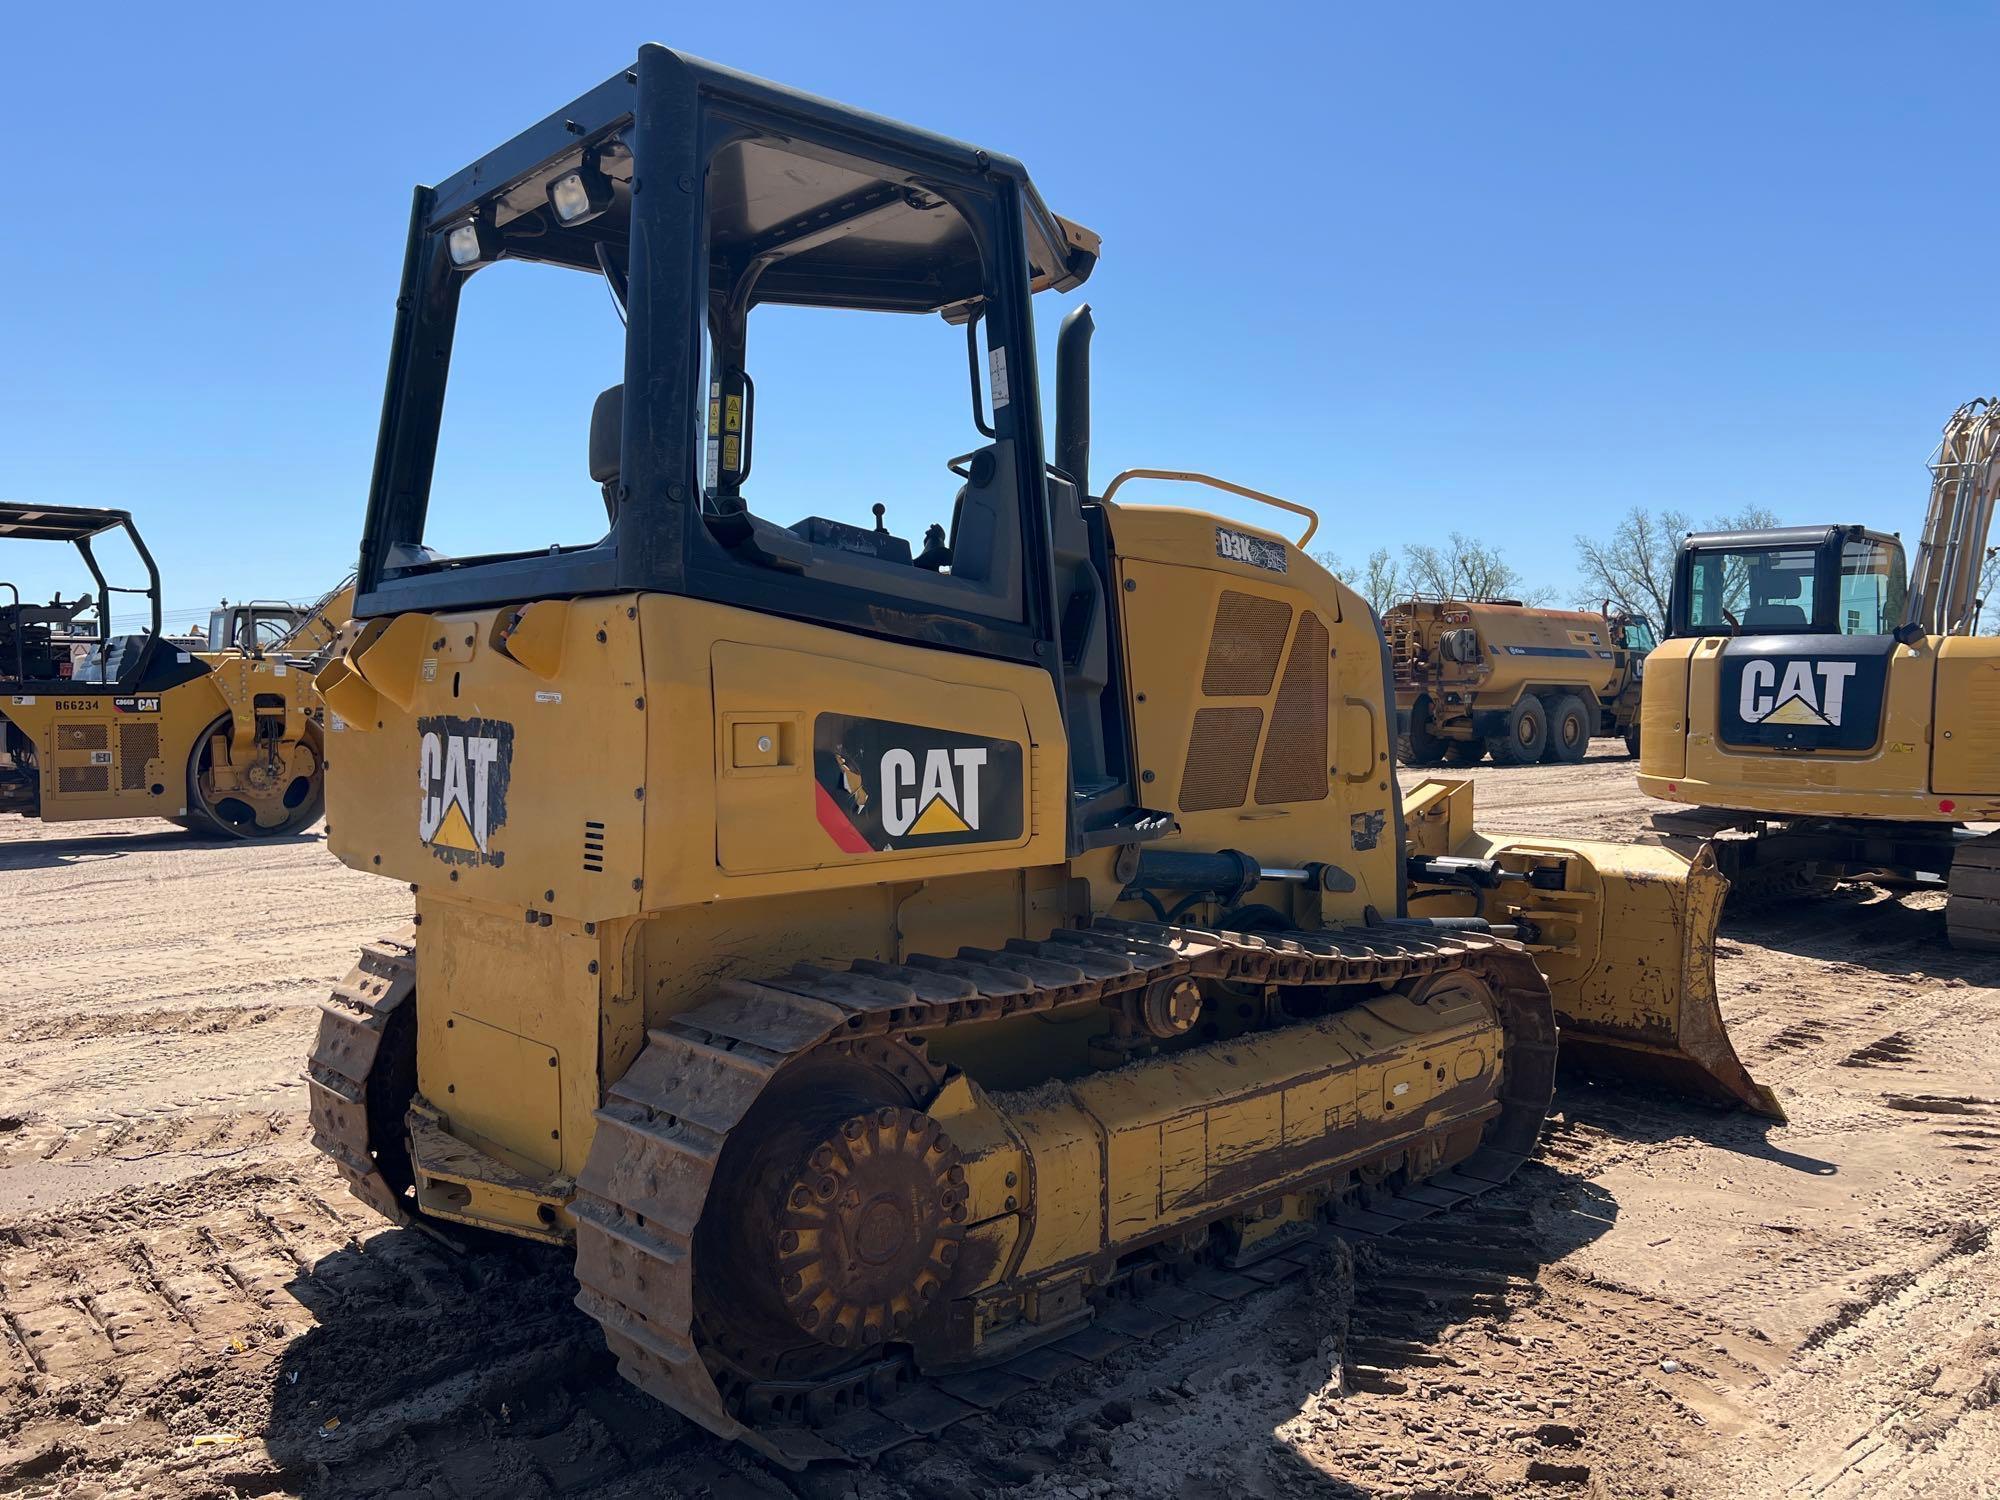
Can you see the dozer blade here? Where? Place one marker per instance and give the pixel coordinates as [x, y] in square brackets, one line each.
[1624, 933]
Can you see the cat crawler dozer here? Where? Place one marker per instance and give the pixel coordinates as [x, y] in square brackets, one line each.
[1822, 716]
[98, 724]
[899, 972]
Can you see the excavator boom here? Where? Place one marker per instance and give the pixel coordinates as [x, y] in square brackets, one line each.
[1951, 558]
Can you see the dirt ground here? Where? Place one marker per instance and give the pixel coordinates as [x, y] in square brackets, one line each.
[1669, 1301]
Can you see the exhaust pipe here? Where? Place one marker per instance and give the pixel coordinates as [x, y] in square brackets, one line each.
[1073, 397]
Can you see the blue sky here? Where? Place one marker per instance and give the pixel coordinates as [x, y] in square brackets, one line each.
[1509, 270]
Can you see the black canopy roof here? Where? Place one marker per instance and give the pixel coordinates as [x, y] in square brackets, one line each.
[812, 223]
[57, 523]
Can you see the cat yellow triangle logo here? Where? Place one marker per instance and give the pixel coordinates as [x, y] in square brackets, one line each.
[454, 832]
[938, 817]
[1795, 711]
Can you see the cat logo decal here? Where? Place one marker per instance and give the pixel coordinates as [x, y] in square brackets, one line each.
[1801, 692]
[881, 786]
[1807, 692]
[463, 767]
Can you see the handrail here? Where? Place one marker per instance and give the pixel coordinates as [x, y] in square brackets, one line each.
[1183, 476]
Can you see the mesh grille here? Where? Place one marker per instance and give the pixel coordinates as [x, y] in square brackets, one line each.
[1220, 752]
[1294, 768]
[137, 744]
[1243, 652]
[83, 778]
[81, 737]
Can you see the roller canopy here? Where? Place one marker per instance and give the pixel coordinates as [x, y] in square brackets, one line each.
[58, 523]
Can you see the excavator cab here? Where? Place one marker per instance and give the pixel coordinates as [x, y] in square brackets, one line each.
[1826, 713]
[253, 628]
[1830, 580]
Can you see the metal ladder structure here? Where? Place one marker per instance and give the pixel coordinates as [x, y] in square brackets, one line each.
[1965, 487]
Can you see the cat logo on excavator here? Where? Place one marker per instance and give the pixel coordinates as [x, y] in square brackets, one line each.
[1807, 692]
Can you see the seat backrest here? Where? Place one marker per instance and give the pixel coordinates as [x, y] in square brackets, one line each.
[607, 434]
[1773, 617]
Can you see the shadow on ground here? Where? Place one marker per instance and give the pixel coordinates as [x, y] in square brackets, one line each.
[148, 837]
[1897, 934]
[433, 1373]
[1609, 1105]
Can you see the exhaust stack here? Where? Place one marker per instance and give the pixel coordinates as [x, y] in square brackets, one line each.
[1073, 397]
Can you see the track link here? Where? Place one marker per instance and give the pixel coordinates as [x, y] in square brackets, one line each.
[1972, 901]
[664, 1125]
[357, 1093]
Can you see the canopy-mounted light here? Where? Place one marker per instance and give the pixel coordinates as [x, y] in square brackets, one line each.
[473, 243]
[581, 194]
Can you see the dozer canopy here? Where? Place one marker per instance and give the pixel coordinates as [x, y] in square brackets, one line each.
[702, 195]
[717, 209]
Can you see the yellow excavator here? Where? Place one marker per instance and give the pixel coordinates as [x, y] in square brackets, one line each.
[1825, 716]
[102, 724]
[898, 973]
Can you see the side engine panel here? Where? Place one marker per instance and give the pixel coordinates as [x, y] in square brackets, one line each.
[1258, 699]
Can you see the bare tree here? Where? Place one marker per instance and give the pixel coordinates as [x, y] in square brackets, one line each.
[1466, 568]
[1383, 582]
[1634, 566]
[1988, 622]
[1379, 580]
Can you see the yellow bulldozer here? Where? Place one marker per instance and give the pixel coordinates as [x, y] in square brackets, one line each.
[1824, 715]
[97, 724]
[896, 973]
[1479, 677]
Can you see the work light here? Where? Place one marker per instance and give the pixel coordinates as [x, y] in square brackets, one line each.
[473, 243]
[580, 195]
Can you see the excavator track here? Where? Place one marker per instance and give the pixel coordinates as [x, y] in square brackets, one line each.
[666, 1124]
[362, 1073]
[1972, 901]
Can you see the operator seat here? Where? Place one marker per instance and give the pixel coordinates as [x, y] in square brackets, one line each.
[1775, 617]
[607, 440]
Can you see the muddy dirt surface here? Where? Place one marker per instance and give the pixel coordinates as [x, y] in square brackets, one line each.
[1668, 1301]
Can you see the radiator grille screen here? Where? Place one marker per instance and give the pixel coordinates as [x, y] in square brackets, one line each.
[1220, 753]
[1243, 652]
[81, 737]
[1294, 768]
[83, 778]
[137, 744]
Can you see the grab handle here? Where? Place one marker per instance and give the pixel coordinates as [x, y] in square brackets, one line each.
[1182, 476]
[1374, 724]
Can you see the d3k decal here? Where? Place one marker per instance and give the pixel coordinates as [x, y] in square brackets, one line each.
[880, 785]
[462, 771]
